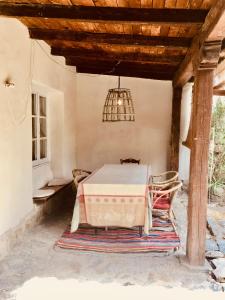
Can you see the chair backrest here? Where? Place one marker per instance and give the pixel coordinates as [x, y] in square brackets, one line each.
[165, 177]
[169, 189]
[77, 172]
[79, 175]
[129, 161]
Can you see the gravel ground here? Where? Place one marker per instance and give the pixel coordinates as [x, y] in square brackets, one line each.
[36, 270]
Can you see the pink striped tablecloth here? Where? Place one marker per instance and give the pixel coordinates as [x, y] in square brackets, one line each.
[114, 195]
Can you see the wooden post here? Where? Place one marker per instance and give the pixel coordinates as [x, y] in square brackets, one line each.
[175, 129]
[201, 123]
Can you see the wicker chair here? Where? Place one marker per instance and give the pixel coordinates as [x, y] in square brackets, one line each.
[164, 178]
[163, 196]
[129, 161]
[79, 175]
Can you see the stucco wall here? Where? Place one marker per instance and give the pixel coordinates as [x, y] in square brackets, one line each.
[147, 138]
[27, 62]
[185, 118]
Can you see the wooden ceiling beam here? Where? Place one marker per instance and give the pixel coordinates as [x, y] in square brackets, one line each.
[121, 68]
[218, 92]
[107, 38]
[213, 29]
[223, 44]
[115, 64]
[220, 85]
[127, 73]
[120, 56]
[104, 14]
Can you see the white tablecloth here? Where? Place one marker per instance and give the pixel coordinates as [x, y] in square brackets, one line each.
[114, 195]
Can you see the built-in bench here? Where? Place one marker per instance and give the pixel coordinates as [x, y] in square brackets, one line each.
[63, 198]
[59, 190]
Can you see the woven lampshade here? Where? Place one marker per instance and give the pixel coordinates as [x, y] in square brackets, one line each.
[118, 105]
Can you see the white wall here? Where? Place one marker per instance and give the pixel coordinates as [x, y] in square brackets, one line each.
[147, 138]
[26, 61]
[185, 118]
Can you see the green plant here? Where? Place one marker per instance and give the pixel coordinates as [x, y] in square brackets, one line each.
[217, 148]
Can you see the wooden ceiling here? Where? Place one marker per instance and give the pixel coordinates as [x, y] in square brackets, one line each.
[137, 38]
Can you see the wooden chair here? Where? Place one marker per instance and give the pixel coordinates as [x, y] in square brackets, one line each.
[164, 178]
[163, 196]
[129, 161]
[79, 175]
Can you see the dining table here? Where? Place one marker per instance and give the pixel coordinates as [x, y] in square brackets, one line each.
[114, 195]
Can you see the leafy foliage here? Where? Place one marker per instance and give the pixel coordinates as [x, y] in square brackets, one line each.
[217, 148]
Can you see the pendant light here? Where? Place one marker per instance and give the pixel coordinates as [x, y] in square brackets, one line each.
[118, 105]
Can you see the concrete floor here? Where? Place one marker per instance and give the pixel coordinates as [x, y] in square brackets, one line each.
[35, 270]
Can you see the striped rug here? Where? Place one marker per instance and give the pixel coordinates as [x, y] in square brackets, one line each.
[162, 238]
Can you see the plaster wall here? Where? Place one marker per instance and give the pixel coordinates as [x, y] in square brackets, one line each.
[147, 138]
[184, 152]
[28, 63]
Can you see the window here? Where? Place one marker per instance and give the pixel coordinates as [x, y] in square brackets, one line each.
[39, 129]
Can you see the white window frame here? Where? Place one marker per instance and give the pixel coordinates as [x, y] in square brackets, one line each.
[40, 161]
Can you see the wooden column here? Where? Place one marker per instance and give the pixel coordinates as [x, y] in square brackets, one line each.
[175, 129]
[201, 122]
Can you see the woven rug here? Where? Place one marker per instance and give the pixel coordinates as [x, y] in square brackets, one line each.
[163, 238]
